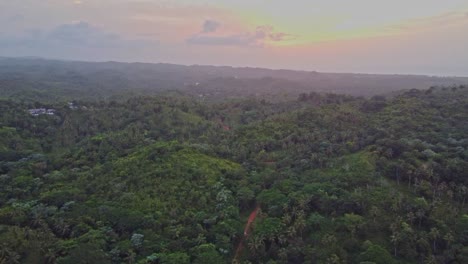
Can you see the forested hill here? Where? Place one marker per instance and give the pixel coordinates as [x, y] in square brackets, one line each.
[173, 178]
[26, 78]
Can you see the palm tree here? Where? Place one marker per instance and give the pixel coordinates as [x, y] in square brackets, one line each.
[304, 202]
[283, 254]
[8, 256]
[291, 231]
[374, 211]
[49, 256]
[37, 221]
[411, 217]
[4, 252]
[286, 218]
[434, 234]
[130, 259]
[420, 214]
[333, 259]
[329, 240]
[300, 222]
[430, 260]
[282, 239]
[62, 228]
[256, 243]
[395, 239]
[449, 238]
[463, 190]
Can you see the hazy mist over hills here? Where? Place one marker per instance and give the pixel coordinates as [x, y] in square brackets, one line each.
[109, 78]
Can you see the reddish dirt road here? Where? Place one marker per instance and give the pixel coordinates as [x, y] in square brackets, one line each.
[247, 230]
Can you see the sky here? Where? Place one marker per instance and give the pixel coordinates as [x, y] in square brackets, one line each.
[367, 36]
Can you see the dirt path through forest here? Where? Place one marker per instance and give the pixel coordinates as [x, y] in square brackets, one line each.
[247, 230]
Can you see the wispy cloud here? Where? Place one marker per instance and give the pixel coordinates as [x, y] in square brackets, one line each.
[72, 40]
[429, 23]
[81, 33]
[14, 18]
[259, 37]
[71, 34]
[210, 26]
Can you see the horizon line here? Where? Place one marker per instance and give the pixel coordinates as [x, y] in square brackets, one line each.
[231, 66]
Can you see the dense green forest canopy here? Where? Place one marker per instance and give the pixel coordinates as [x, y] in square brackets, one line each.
[172, 177]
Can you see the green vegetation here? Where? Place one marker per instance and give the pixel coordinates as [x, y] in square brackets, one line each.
[172, 179]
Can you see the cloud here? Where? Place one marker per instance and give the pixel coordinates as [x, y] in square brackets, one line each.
[82, 33]
[78, 34]
[430, 23]
[258, 37]
[268, 33]
[15, 18]
[79, 40]
[231, 40]
[210, 26]
[281, 36]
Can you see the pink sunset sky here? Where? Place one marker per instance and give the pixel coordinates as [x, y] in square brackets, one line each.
[407, 37]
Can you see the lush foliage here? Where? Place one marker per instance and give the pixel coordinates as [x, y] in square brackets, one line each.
[172, 179]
